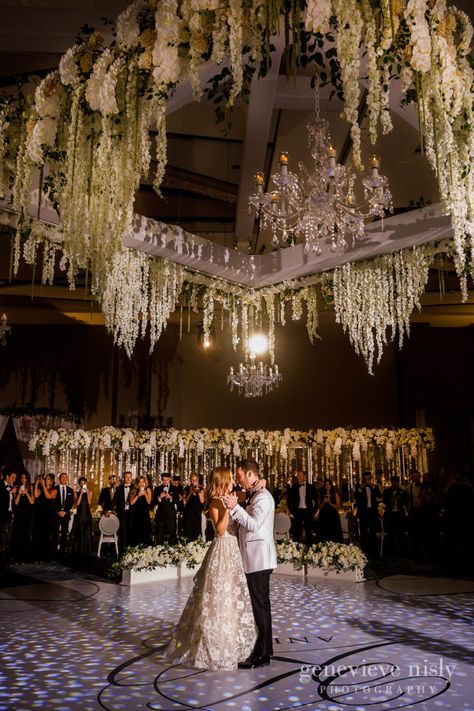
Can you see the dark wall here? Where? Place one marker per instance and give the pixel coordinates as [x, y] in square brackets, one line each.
[326, 385]
[437, 376]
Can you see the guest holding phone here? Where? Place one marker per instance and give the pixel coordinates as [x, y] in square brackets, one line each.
[82, 528]
[193, 499]
[45, 494]
[22, 519]
[140, 522]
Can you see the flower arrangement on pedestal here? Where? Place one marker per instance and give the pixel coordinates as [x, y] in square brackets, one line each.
[325, 556]
[335, 556]
[290, 553]
[140, 558]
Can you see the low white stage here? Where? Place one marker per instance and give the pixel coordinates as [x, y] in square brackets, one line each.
[400, 642]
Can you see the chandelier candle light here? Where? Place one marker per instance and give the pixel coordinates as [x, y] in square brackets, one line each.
[251, 377]
[4, 330]
[320, 206]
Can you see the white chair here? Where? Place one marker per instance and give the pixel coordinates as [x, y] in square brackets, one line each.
[108, 526]
[281, 526]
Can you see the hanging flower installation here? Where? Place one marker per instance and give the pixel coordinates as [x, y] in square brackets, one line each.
[87, 128]
[373, 300]
[84, 132]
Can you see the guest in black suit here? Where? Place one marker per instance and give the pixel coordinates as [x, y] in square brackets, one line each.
[302, 502]
[395, 500]
[166, 498]
[106, 496]
[64, 502]
[7, 494]
[367, 496]
[121, 505]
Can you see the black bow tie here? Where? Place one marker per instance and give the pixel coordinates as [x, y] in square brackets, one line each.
[302, 484]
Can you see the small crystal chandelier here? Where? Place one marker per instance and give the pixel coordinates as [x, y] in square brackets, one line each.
[252, 378]
[320, 206]
[4, 330]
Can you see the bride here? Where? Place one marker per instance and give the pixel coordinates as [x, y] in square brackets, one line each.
[217, 627]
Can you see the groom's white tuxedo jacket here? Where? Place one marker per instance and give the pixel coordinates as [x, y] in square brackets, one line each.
[256, 537]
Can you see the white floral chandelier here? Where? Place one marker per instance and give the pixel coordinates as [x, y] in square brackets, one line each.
[320, 206]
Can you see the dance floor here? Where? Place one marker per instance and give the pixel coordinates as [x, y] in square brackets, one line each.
[71, 643]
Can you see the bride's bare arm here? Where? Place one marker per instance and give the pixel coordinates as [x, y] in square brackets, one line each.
[219, 516]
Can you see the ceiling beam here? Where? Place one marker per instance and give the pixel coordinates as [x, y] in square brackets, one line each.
[257, 134]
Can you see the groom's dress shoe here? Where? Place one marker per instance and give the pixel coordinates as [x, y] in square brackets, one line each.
[254, 662]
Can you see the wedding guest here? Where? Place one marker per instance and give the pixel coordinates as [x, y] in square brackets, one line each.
[7, 494]
[380, 483]
[140, 523]
[121, 505]
[166, 512]
[23, 502]
[177, 492]
[429, 524]
[329, 524]
[82, 527]
[302, 502]
[193, 500]
[367, 513]
[395, 500]
[414, 492]
[64, 501]
[44, 517]
[107, 494]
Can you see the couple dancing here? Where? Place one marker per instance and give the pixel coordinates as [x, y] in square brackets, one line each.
[227, 619]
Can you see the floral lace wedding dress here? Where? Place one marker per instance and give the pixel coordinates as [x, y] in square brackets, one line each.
[217, 628]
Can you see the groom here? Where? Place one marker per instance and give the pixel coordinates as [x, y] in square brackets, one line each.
[256, 541]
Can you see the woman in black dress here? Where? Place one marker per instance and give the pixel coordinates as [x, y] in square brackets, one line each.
[140, 522]
[192, 512]
[329, 524]
[22, 520]
[44, 518]
[82, 527]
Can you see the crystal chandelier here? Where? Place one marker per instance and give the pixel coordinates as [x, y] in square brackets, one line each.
[4, 330]
[252, 377]
[320, 206]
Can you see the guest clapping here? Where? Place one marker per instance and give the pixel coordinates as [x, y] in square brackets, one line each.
[82, 529]
[140, 523]
[22, 519]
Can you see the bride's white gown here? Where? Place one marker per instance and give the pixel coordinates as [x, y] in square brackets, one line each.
[217, 628]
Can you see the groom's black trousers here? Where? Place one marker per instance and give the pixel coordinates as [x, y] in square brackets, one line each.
[259, 588]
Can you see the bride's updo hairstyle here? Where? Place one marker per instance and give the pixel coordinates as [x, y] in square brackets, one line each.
[218, 483]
